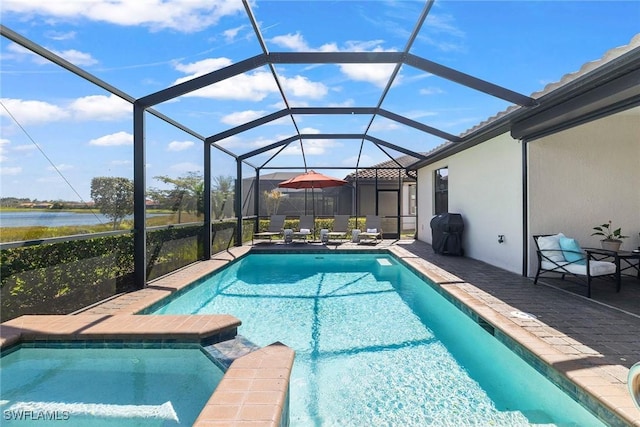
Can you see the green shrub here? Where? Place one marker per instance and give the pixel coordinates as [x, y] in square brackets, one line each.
[62, 277]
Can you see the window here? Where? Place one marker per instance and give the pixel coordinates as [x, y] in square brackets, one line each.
[441, 191]
[412, 200]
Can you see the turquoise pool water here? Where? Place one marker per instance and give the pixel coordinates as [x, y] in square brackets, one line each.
[105, 386]
[376, 345]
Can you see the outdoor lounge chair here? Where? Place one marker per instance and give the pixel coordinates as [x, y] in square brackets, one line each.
[562, 255]
[372, 229]
[340, 225]
[305, 228]
[276, 224]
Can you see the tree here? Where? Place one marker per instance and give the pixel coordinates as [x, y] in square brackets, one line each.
[187, 194]
[113, 196]
[223, 187]
[272, 200]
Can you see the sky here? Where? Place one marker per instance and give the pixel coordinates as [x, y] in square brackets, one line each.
[58, 130]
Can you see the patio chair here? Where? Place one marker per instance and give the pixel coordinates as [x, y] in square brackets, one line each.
[305, 228]
[276, 224]
[373, 229]
[339, 229]
[561, 255]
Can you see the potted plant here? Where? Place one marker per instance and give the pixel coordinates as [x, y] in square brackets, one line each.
[612, 238]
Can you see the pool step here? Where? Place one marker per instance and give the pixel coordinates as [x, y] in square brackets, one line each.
[225, 352]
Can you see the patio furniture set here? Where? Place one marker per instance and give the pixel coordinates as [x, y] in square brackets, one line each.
[559, 254]
[372, 231]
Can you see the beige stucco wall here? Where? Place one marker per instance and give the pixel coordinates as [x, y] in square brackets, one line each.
[485, 188]
[584, 177]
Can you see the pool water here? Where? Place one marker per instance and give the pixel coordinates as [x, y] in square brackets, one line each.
[105, 386]
[376, 345]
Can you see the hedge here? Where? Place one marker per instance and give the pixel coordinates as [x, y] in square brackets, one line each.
[62, 277]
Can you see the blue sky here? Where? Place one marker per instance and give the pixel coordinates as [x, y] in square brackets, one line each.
[59, 131]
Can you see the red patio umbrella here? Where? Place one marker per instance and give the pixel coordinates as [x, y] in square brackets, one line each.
[312, 179]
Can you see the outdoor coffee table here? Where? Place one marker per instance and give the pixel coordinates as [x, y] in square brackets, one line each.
[628, 260]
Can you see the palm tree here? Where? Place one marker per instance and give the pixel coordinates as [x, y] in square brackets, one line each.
[222, 189]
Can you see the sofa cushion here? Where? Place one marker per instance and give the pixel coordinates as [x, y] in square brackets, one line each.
[571, 250]
[550, 247]
[597, 268]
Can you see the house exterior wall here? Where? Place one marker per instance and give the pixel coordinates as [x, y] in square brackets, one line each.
[485, 188]
[586, 176]
[577, 179]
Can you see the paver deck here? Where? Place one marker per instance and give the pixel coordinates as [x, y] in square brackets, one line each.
[590, 343]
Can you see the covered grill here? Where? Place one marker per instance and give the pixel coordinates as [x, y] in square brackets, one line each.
[446, 234]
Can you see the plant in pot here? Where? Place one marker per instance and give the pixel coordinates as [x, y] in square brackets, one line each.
[612, 238]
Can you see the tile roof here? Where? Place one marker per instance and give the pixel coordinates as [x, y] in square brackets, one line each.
[386, 171]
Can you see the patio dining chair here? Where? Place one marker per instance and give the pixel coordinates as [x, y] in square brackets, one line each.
[561, 255]
[276, 225]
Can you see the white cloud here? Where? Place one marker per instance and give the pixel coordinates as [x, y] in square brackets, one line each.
[58, 35]
[309, 131]
[179, 145]
[431, 91]
[201, 68]
[294, 42]
[231, 34]
[346, 103]
[377, 74]
[93, 107]
[100, 107]
[17, 52]
[120, 162]
[25, 147]
[241, 117]
[118, 138]
[365, 160]
[180, 15]
[186, 167]
[32, 112]
[253, 86]
[8, 171]
[384, 125]
[300, 86]
[61, 167]
[3, 148]
[312, 147]
[418, 114]
[76, 57]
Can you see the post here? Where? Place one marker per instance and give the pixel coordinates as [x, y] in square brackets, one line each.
[238, 202]
[139, 199]
[207, 235]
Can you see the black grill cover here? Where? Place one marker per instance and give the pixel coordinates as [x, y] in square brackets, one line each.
[446, 234]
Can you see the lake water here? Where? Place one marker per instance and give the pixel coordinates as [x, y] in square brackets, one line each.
[53, 218]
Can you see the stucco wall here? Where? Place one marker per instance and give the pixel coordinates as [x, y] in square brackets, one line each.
[584, 177]
[485, 188]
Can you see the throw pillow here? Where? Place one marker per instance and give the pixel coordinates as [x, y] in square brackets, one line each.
[550, 247]
[572, 251]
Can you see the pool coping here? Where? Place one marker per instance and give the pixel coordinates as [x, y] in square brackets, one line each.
[611, 401]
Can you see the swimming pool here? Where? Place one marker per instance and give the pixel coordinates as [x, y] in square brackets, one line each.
[102, 386]
[376, 345]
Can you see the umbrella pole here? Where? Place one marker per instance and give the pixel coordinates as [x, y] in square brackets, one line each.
[313, 212]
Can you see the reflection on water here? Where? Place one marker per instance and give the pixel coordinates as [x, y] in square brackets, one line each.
[54, 218]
